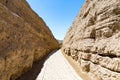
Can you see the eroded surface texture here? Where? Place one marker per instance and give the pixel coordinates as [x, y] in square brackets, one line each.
[94, 39]
[24, 38]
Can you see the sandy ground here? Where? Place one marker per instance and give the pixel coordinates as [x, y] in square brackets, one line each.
[56, 67]
[36, 69]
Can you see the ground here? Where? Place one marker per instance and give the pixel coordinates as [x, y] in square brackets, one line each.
[56, 67]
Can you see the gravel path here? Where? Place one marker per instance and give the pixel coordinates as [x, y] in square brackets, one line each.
[56, 67]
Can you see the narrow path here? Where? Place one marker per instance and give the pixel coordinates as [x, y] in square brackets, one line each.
[36, 69]
[56, 67]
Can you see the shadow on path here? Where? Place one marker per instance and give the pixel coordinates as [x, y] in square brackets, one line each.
[36, 68]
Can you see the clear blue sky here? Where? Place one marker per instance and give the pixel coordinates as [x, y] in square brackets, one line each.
[58, 14]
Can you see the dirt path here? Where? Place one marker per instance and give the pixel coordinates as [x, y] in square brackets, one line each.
[33, 73]
[53, 67]
[56, 67]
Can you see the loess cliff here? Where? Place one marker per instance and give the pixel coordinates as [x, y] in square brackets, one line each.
[24, 38]
[94, 39]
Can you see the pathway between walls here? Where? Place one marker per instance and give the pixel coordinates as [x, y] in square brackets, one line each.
[56, 67]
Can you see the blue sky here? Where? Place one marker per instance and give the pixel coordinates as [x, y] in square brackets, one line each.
[58, 14]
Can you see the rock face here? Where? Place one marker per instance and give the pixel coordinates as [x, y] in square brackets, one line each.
[94, 39]
[24, 38]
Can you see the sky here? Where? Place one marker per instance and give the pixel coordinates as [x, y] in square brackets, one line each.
[57, 14]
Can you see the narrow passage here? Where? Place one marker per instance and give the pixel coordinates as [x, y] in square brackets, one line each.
[56, 67]
[53, 67]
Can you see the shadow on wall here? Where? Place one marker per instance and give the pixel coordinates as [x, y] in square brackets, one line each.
[34, 72]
